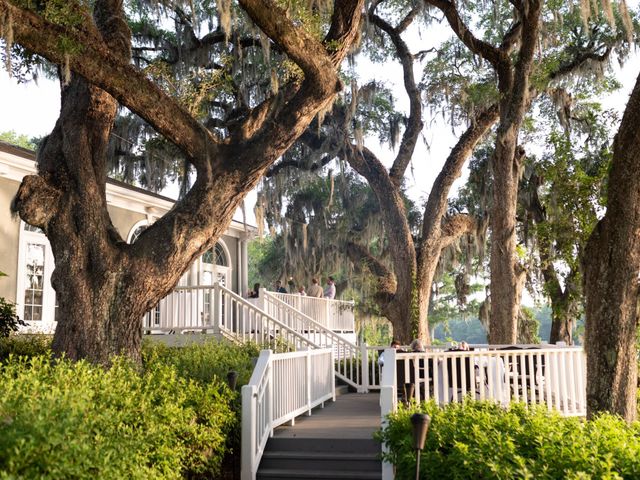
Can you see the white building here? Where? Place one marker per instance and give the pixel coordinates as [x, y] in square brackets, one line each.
[26, 257]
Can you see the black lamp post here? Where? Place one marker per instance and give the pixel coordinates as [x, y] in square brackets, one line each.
[420, 423]
[232, 379]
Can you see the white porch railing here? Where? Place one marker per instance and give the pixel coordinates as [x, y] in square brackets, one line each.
[555, 377]
[336, 315]
[216, 309]
[282, 387]
[346, 354]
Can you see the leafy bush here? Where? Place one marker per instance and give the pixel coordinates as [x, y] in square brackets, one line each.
[205, 362]
[480, 440]
[9, 321]
[27, 345]
[73, 420]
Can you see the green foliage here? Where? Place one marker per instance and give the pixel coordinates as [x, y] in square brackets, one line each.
[74, 420]
[266, 258]
[575, 194]
[447, 303]
[24, 346]
[9, 321]
[374, 330]
[176, 418]
[473, 440]
[19, 140]
[204, 363]
[456, 84]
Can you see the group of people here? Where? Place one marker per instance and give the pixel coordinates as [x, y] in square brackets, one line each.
[417, 346]
[315, 290]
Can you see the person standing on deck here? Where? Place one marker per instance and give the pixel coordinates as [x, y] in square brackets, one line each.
[315, 290]
[394, 344]
[279, 287]
[255, 293]
[330, 291]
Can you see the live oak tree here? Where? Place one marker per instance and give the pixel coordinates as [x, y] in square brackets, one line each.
[612, 279]
[412, 244]
[560, 198]
[104, 285]
[453, 81]
[523, 70]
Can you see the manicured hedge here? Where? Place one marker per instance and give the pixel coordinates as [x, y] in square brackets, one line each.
[480, 440]
[72, 420]
[207, 361]
[28, 345]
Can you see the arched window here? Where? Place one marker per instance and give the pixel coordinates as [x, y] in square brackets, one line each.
[137, 230]
[216, 256]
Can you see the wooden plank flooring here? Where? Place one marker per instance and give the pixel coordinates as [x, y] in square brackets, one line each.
[354, 415]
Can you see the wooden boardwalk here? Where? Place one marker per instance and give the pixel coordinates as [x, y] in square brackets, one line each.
[334, 443]
[353, 415]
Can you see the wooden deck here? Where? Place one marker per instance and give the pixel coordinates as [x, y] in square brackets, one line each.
[353, 415]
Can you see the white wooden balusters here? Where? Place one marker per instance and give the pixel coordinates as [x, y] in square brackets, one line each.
[282, 387]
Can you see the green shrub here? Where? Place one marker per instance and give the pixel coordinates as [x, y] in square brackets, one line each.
[68, 420]
[9, 321]
[25, 345]
[205, 362]
[480, 440]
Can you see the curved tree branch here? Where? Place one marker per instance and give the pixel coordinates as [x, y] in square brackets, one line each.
[415, 123]
[477, 46]
[437, 202]
[100, 66]
[273, 171]
[274, 122]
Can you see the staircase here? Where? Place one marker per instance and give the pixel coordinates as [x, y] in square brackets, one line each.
[334, 443]
[324, 458]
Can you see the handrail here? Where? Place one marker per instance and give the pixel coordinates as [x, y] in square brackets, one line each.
[266, 320]
[347, 354]
[555, 376]
[331, 313]
[247, 322]
[282, 387]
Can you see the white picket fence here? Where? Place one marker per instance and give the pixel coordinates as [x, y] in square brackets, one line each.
[555, 377]
[282, 387]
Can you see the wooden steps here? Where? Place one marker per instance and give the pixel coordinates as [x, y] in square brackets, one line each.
[335, 442]
[321, 458]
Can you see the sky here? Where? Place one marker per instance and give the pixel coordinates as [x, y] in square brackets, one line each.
[32, 109]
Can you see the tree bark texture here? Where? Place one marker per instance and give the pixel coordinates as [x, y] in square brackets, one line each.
[513, 86]
[506, 273]
[398, 304]
[104, 285]
[612, 279]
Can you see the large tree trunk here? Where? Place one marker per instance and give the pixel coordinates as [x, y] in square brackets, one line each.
[424, 284]
[396, 289]
[612, 279]
[506, 274]
[104, 285]
[505, 303]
